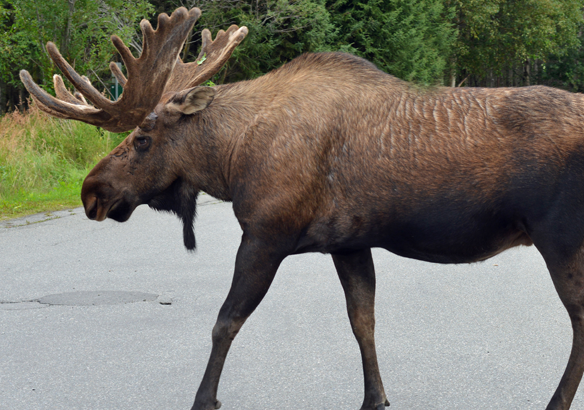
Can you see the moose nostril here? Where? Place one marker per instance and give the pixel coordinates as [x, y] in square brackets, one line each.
[91, 208]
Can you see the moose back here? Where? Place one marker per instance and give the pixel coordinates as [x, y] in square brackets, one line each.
[329, 154]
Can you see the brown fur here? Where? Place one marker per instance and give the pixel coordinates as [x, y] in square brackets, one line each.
[329, 154]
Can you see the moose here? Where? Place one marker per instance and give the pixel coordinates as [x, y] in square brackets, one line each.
[329, 154]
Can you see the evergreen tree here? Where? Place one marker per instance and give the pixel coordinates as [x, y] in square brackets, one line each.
[411, 39]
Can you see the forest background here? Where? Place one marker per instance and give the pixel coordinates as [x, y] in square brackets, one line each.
[487, 43]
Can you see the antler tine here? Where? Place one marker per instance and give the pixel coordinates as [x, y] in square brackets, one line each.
[207, 40]
[118, 73]
[62, 92]
[78, 82]
[147, 77]
[65, 95]
[215, 54]
[59, 108]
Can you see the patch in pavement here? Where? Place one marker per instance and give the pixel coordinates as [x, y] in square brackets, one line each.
[94, 298]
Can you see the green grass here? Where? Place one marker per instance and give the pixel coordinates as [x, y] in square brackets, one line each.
[43, 161]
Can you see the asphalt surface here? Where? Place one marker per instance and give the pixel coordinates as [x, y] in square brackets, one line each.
[119, 316]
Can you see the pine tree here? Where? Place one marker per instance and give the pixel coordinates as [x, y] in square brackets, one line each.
[411, 39]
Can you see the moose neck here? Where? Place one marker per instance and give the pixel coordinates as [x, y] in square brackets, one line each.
[218, 132]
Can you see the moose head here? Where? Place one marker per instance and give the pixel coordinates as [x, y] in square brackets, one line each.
[160, 92]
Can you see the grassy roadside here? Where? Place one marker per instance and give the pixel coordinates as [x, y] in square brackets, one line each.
[43, 161]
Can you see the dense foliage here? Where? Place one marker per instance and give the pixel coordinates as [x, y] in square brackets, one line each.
[43, 161]
[80, 28]
[410, 39]
[503, 41]
[451, 42]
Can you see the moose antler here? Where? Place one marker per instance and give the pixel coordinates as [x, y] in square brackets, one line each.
[213, 55]
[147, 77]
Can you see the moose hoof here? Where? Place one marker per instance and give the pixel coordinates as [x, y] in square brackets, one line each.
[209, 405]
[382, 406]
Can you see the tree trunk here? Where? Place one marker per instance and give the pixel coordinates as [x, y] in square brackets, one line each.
[187, 45]
[21, 99]
[66, 41]
[536, 66]
[526, 72]
[2, 97]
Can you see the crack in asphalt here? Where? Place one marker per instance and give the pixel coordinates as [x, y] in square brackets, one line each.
[87, 298]
[22, 304]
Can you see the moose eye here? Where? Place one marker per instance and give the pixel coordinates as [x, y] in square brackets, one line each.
[141, 143]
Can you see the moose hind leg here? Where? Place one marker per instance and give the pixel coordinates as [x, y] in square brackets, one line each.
[568, 278]
[357, 276]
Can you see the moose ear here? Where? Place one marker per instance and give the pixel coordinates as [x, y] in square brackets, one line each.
[191, 100]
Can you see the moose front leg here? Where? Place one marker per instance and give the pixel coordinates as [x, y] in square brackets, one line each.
[255, 267]
[357, 276]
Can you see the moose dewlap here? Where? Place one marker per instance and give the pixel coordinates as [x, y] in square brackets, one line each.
[329, 154]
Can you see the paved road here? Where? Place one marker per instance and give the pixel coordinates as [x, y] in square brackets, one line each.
[485, 336]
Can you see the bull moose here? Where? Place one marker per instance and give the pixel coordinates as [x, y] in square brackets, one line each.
[329, 154]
